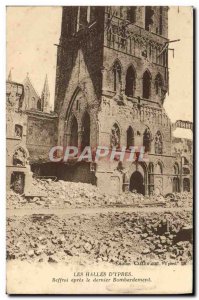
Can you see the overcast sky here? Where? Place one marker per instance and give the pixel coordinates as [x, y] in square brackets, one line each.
[33, 31]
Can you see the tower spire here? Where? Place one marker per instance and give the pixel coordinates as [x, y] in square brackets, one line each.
[45, 96]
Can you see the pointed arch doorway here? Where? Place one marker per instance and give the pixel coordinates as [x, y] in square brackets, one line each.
[137, 183]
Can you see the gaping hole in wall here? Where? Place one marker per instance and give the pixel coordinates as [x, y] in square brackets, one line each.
[137, 183]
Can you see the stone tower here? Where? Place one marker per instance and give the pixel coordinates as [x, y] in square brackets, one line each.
[111, 82]
[45, 97]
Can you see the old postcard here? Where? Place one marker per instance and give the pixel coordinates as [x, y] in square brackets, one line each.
[99, 116]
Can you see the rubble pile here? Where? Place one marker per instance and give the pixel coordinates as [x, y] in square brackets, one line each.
[184, 199]
[114, 237]
[63, 194]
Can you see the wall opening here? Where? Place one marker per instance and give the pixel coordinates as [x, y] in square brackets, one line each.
[146, 92]
[137, 183]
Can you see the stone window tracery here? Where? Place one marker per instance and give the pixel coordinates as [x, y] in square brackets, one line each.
[158, 143]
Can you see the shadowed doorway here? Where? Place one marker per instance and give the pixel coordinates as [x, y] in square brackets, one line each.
[137, 183]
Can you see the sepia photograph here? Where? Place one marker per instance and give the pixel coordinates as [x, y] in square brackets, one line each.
[99, 150]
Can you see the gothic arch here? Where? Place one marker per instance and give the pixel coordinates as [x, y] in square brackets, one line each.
[117, 75]
[129, 137]
[158, 84]
[130, 82]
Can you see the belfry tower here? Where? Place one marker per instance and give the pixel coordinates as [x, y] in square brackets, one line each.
[111, 82]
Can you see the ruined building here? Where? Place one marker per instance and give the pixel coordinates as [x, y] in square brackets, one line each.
[111, 82]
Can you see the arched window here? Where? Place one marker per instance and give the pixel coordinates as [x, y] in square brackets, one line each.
[158, 143]
[86, 130]
[147, 140]
[131, 14]
[158, 84]
[74, 132]
[149, 12]
[115, 136]
[130, 137]
[39, 104]
[159, 168]
[146, 89]
[116, 76]
[151, 178]
[130, 82]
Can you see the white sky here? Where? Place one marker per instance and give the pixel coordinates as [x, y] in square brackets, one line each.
[33, 31]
